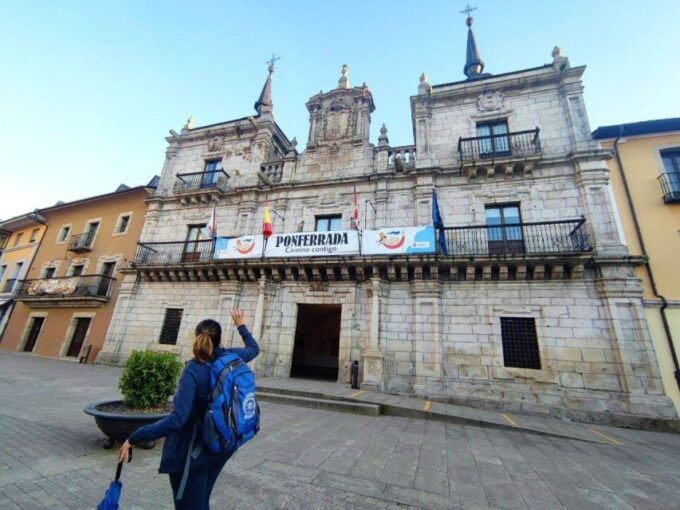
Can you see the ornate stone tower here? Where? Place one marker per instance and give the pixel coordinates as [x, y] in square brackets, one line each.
[341, 116]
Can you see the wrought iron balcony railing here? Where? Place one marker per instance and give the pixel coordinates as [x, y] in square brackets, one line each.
[66, 287]
[670, 186]
[201, 181]
[174, 252]
[81, 242]
[519, 144]
[539, 238]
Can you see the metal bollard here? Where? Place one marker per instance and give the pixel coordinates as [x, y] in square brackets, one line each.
[354, 375]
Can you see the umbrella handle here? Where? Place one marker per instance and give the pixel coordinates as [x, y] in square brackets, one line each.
[120, 465]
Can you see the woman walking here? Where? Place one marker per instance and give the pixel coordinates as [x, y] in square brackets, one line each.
[190, 401]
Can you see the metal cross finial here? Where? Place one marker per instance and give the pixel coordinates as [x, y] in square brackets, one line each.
[272, 61]
[468, 10]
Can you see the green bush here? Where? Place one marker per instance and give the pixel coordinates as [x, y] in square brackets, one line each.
[149, 378]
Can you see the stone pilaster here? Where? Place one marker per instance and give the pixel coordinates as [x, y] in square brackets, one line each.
[426, 350]
[111, 352]
[229, 297]
[592, 179]
[639, 378]
[372, 355]
[422, 113]
[422, 195]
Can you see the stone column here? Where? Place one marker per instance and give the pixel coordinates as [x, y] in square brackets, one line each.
[427, 349]
[372, 356]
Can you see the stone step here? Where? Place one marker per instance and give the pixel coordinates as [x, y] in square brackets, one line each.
[327, 404]
[306, 393]
[375, 404]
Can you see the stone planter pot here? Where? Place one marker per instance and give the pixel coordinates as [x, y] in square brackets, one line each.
[119, 426]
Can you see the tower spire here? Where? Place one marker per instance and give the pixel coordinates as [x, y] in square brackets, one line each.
[474, 65]
[264, 102]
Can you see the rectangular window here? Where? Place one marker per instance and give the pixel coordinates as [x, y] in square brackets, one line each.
[17, 239]
[670, 178]
[123, 224]
[326, 223]
[494, 139]
[193, 247]
[3, 268]
[506, 239]
[77, 270]
[171, 323]
[9, 284]
[34, 234]
[211, 173]
[49, 272]
[63, 234]
[520, 343]
[91, 229]
[671, 160]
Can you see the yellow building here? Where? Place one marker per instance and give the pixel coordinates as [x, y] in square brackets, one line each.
[645, 176]
[22, 236]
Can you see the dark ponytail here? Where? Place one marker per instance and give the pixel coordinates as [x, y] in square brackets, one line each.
[208, 338]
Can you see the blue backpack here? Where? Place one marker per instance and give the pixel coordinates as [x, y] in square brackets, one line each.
[233, 415]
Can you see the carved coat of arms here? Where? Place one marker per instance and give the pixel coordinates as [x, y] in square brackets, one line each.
[336, 124]
[490, 101]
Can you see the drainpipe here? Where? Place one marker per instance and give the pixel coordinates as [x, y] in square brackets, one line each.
[664, 302]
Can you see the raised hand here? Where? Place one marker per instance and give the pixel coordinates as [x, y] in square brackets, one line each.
[237, 316]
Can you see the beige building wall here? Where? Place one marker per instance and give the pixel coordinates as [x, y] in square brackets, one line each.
[109, 245]
[659, 224]
[15, 261]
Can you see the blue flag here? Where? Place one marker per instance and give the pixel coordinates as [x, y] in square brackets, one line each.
[438, 222]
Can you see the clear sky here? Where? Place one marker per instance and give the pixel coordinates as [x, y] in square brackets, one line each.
[89, 89]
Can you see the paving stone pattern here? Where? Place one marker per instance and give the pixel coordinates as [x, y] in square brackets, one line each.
[51, 457]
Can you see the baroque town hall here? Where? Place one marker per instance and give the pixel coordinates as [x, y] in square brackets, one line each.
[530, 300]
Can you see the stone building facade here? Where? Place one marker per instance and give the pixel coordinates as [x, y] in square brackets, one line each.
[544, 316]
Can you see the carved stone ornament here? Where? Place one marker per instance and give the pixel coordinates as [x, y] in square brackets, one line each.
[337, 123]
[215, 144]
[318, 286]
[490, 101]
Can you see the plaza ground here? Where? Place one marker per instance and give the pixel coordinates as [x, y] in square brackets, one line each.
[51, 457]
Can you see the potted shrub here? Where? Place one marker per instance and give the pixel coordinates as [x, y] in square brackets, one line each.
[147, 381]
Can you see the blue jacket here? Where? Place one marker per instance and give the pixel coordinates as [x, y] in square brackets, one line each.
[190, 400]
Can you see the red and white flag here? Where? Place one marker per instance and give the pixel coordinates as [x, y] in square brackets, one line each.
[355, 212]
[212, 224]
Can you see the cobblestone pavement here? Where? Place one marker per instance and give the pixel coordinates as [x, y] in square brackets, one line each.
[51, 457]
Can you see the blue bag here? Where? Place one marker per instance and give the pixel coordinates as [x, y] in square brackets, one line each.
[233, 415]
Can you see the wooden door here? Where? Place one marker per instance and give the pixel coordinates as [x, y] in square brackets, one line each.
[82, 325]
[36, 326]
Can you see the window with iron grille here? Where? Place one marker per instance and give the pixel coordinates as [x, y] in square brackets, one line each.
[520, 343]
[171, 323]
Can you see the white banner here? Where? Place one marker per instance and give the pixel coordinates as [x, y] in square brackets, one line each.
[238, 247]
[404, 240]
[313, 244]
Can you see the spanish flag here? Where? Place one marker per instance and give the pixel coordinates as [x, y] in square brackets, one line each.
[267, 229]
